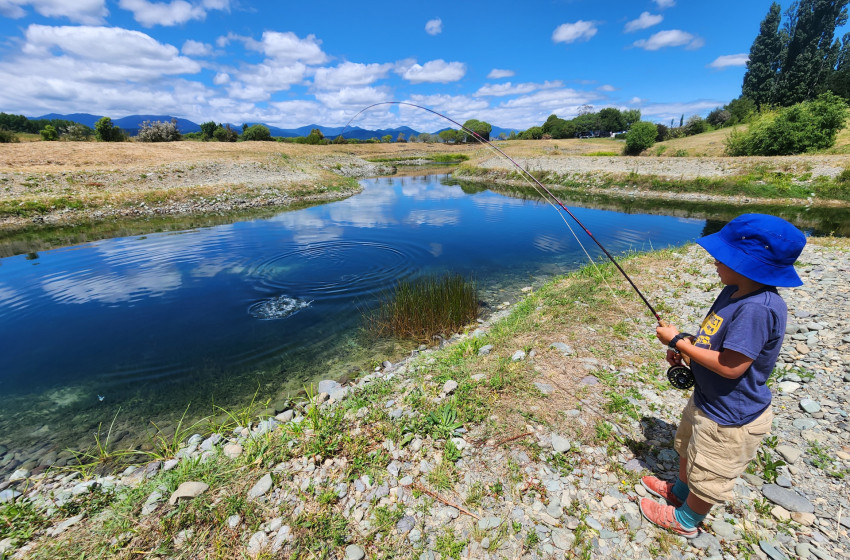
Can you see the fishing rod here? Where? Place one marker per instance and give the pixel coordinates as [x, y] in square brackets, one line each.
[680, 376]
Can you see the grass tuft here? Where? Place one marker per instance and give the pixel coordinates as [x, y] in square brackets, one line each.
[420, 309]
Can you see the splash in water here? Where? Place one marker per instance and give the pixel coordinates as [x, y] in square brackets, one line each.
[278, 307]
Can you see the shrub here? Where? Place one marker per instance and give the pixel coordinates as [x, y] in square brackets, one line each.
[256, 132]
[225, 134]
[718, 117]
[77, 132]
[695, 125]
[105, 131]
[663, 133]
[158, 131]
[804, 127]
[8, 137]
[49, 134]
[640, 137]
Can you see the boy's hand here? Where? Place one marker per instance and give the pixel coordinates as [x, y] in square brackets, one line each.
[674, 358]
[665, 333]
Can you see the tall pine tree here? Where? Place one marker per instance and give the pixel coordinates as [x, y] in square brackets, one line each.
[810, 55]
[765, 58]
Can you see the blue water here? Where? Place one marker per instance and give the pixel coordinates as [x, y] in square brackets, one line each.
[150, 323]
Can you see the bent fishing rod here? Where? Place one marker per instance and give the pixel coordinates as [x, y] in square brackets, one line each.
[680, 376]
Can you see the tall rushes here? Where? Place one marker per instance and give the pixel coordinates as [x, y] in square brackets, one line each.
[422, 308]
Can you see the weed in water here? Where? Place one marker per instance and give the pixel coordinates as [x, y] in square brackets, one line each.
[420, 309]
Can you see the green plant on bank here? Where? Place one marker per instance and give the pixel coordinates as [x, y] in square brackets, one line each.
[20, 519]
[449, 545]
[765, 463]
[422, 308]
[443, 421]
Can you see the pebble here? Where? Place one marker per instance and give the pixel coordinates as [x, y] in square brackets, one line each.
[188, 491]
[560, 444]
[810, 406]
[354, 552]
[790, 453]
[261, 487]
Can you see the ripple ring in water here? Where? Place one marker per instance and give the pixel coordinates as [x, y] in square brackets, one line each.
[338, 269]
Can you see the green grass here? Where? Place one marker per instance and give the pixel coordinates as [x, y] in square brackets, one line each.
[420, 309]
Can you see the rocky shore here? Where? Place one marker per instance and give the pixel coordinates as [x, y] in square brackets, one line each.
[524, 438]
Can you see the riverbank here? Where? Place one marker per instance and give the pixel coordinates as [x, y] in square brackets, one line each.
[523, 438]
[47, 185]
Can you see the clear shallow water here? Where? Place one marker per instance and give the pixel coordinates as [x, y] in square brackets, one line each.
[151, 323]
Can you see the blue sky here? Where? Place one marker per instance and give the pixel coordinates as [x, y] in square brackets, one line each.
[290, 64]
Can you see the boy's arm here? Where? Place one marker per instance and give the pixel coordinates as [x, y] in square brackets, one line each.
[728, 363]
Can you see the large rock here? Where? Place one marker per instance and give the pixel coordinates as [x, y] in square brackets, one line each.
[188, 491]
[328, 386]
[790, 453]
[790, 500]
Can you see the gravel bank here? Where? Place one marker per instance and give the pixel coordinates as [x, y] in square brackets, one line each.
[539, 491]
[676, 168]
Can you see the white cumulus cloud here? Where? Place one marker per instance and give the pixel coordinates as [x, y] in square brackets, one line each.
[90, 12]
[168, 14]
[606, 87]
[572, 32]
[434, 26]
[644, 21]
[353, 97]
[665, 3]
[435, 71]
[350, 74]
[196, 48]
[498, 73]
[500, 90]
[670, 38]
[727, 60]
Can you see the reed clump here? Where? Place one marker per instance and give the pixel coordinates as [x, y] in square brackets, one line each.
[422, 308]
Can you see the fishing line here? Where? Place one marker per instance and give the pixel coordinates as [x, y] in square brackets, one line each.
[551, 198]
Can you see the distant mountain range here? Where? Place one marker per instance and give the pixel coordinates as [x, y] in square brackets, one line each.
[130, 124]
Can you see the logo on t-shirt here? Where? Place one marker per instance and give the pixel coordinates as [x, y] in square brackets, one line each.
[711, 324]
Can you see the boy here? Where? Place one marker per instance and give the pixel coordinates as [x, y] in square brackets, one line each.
[731, 358]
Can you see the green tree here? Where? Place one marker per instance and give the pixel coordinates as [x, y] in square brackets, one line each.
[450, 135]
[105, 131]
[640, 137]
[49, 133]
[741, 110]
[386, 138]
[315, 137]
[839, 81]
[207, 130]
[765, 59]
[223, 133]
[480, 128]
[630, 117]
[611, 120]
[256, 132]
[810, 55]
[533, 133]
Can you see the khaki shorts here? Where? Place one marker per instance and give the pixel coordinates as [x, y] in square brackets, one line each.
[717, 455]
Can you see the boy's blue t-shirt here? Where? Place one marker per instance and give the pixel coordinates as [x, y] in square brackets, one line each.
[753, 325]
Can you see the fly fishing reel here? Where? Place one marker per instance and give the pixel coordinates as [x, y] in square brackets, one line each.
[680, 376]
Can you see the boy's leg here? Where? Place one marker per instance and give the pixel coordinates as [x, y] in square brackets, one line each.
[675, 493]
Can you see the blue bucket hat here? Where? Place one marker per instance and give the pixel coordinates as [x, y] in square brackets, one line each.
[761, 247]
